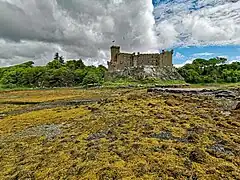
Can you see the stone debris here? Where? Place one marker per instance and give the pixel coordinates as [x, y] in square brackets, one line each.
[219, 149]
[197, 91]
[166, 135]
[48, 131]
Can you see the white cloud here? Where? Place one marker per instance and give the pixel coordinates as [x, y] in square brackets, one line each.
[184, 63]
[238, 58]
[212, 23]
[235, 59]
[179, 56]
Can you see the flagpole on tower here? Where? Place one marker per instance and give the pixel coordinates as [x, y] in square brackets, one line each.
[113, 42]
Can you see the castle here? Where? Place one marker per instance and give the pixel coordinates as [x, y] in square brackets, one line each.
[119, 61]
[141, 66]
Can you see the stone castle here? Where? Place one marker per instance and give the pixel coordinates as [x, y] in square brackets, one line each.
[119, 61]
[141, 66]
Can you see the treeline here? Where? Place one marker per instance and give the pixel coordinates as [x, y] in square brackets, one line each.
[56, 73]
[214, 70]
[59, 73]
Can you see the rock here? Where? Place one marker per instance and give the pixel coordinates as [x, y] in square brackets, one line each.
[2, 116]
[226, 113]
[219, 149]
[198, 156]
[50, 131]
[236, 105]
[145, 72]
[171, 102]
[224, 93]
[200, 91]
[166, 135]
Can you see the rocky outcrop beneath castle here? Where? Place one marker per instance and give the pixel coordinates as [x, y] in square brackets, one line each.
[145, 72]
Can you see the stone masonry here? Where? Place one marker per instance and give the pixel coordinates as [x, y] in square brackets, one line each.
[141, 66]
[120, 61]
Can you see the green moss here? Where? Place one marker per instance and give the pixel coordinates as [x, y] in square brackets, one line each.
[128, 135]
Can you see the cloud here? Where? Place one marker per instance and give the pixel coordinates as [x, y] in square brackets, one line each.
[235, 59]
[238, 58]
[179, 56]
[36, 29]
[205, 22]
[78, 28]
[184, 63]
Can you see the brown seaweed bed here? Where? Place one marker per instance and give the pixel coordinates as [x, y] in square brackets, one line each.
[120, 134]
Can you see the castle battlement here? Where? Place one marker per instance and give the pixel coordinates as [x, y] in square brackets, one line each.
[120, 61]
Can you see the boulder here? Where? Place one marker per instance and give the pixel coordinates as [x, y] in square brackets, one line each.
[236, 105]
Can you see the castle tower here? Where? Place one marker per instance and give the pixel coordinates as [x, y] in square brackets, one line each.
[114, 51]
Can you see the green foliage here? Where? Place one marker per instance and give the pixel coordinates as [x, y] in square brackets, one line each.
[91, 78]
[55, 64]
[55, 74]
[75, 64]
[61, 77]
[214, 70]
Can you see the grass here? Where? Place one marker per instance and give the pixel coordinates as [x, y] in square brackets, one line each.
[129, 134]
[10, 107]
[218, 85]
[142, 83]
[52, 94]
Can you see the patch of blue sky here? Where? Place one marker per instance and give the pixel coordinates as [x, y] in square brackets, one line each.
[231, 52]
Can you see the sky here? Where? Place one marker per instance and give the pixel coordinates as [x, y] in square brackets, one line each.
[35, 30]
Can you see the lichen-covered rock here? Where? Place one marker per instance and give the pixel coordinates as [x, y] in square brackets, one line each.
[236, 105]
[197, 155]
[144, 72]
[198, 91]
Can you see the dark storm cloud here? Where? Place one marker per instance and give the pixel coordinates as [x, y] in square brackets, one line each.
[77, 28]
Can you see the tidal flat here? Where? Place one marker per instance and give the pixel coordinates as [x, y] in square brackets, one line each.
[117, 134]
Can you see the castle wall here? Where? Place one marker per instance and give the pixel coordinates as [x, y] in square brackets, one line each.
[121, 60]
[124, 60]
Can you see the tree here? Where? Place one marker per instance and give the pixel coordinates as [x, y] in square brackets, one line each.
[79, 75]
[13, 76]
[61, 60]
[209, 71]
[26, 64]
[56, 57]
[55, 64]
[91, 78]
[61, 77]
[80, 64]
[102, 70]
